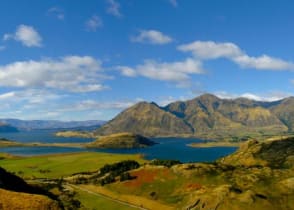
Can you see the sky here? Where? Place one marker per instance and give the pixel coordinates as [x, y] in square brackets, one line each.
[89, 60]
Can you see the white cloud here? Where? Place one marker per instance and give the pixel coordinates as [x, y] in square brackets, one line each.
[93, 23]
[151, 37]
[71, 73]
[178, 72]
[263, 62]
[127, 71]
[98, 105]
[56, 12]
[270, 96]
[113, 8]
[30, 96]
[8, 95]
[174, 3]
[212, 50]
[27, 35]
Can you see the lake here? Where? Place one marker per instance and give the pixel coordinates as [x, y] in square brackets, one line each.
[167, 148]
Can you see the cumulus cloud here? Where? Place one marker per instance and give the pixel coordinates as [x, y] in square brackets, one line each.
[93, 23]
[206, 50]
[71, 73]
[151, 37]
[113, 8]
[56, 12]
[27, 35]
[178, 72]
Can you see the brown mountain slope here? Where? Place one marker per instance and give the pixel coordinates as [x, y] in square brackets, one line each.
[203, 116]
[209, 113]
[284, 110]
[146, 119]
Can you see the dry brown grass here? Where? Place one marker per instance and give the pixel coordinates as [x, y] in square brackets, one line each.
[22, 201]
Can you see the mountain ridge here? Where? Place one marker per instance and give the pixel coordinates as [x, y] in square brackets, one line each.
[203, 115]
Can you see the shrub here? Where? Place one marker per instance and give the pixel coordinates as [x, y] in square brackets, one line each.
[167, 163]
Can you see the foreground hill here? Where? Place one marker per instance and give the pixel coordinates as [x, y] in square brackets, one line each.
[15, 193]
[121, 140]
[206, 115]
[258, 176]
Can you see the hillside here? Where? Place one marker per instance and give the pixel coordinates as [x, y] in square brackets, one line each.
[205, 116]
[121, 140]
[257, 176]
[15, 193]
[284, 110]
[274, 154]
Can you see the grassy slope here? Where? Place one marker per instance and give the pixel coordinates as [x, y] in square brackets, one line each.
[62, 165]
[93, 202]
[16, 200]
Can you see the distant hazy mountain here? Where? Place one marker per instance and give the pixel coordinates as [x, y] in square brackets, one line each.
[7, 128]
[204, 115]
[51, 124]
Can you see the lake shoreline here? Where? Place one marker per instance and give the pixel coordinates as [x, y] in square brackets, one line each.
[214, 144]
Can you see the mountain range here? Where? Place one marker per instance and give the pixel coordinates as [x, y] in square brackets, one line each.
[50, 124]
[206, 115]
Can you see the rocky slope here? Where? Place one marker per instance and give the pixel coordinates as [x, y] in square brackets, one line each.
[205, 115]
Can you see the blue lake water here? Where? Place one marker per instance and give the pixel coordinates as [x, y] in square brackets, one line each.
[167, 148]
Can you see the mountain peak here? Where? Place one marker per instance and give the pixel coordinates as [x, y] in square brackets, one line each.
[208, 96]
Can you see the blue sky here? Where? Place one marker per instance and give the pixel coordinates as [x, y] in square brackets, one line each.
[80, 60]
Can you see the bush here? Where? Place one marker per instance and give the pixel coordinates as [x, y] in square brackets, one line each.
[120, 167]
[117, 169]
[126, 176]
[167, 163]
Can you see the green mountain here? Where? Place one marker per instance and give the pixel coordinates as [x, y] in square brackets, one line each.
[206, 115]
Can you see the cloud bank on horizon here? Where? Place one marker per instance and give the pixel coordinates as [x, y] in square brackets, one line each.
[73, 62]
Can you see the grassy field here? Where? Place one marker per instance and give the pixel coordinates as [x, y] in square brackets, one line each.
[60, 165]
[92, 202]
